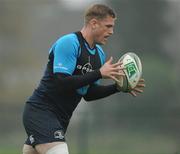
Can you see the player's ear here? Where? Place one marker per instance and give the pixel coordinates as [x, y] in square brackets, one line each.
[94, 23]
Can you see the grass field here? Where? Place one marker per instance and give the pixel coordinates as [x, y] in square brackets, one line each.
[9, 151]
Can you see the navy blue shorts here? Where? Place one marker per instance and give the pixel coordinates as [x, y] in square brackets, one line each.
[42, 126]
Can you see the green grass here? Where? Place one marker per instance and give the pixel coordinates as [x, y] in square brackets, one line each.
[10, 151]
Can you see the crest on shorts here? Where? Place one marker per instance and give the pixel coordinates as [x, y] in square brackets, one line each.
[31, 138]
[59, 134]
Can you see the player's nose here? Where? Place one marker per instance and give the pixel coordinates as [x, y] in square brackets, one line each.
[111, 31]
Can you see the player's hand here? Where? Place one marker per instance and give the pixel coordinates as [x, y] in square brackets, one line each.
[110, 70]
[139, 88]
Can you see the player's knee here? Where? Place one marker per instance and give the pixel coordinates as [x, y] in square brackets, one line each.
[27, 149]
[58, 149]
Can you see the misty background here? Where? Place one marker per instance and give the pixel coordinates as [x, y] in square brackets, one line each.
[148, 124]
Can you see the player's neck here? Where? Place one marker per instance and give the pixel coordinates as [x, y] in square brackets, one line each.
[87, 36]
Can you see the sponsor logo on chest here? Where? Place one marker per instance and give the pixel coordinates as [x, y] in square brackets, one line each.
[87, 67]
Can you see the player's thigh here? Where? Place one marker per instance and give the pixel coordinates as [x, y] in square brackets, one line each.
[52, 148]
[27, 149]
[42, 126]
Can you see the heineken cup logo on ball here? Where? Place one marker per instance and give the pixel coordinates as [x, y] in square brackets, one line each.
[131, 69]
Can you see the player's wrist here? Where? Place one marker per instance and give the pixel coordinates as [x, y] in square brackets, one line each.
[98, 73]
[116, 87]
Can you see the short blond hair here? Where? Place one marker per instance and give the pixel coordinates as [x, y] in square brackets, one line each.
[98, 11]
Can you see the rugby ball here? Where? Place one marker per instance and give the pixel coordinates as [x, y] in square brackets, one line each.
[132, 69]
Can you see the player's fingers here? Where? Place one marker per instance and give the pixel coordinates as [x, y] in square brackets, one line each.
[117, 64]
[133, 93]
[117, 73]
[142, 80]
[109, 61]
[137, 90]
[141, 85]
[117, 69]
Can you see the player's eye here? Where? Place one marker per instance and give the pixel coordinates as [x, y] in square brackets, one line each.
[109, 26]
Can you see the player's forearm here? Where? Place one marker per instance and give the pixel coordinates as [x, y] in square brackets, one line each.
[67, 82]
[98, 91]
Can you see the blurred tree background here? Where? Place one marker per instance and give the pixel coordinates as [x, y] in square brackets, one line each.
[148, 124]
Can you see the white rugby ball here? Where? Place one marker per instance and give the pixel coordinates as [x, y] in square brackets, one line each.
[132, 69]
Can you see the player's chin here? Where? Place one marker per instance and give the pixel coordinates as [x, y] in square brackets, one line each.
[102, 42]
